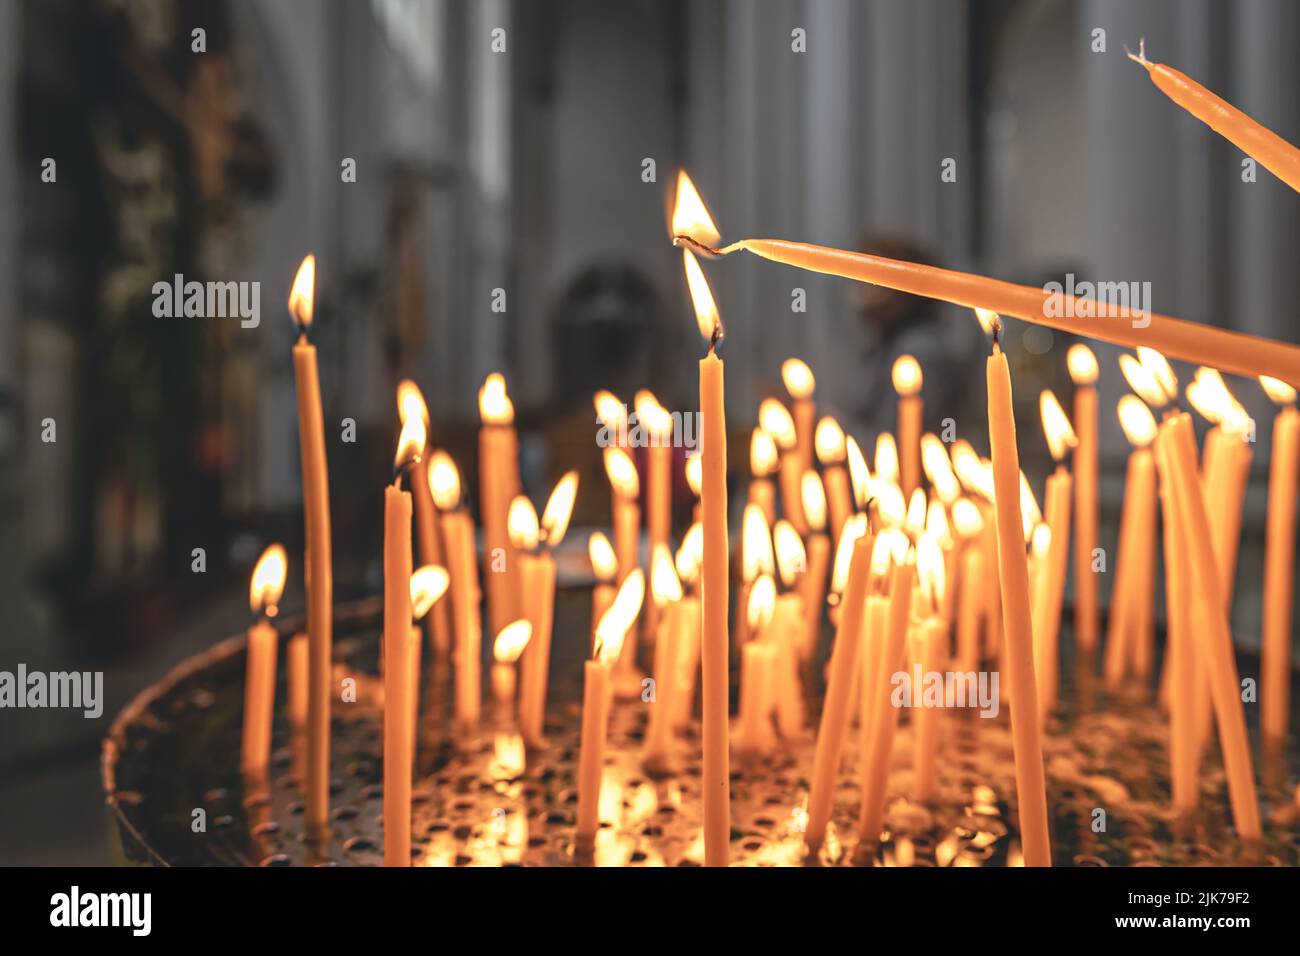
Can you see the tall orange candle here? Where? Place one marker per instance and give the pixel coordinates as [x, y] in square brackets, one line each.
[832, 454]
[973, 579]
[754, 736]
[690, 217]
[297, 653]
[907, 382]
[506, 650]
[787, 629]
[666, 591]
[1082, 365]
[410, 401]
[931, 654]
[690, 557]
[319, 576]
[1060, 438]
[1279, 567]
[1013, 577]
[800, 383]
[498, 463]
[604, 565]
[625, 489]
[775, 419]
[812, 583]
[264, 592]
[763, 462]
[655, 422]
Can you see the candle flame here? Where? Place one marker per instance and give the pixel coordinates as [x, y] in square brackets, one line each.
[1056, 426]
[966, 518]
[791, 557]
[1082, 364]
[829, 442]
[691, 554]
[936, 521]
[410, 444]
[1160, 370]
[938, 468]
[494, 405]
[854, 528]
[444, 481]
[1040, 541]
[511, 641]
[619, 616]
[859, 473]
[665, 586]
[1141, 380]
[990, 322]
[1137, 421]
[930, 570]
[706, 309]
[774, 418]
[891, 506]
[886, 457]
[559, 509]
[428, 584]
[762, 454]
[906, 375]
[812, 493]
[798, 378]
[604, 563]
[652, 416]
[914, 522]
[762, 602]
[622, 473]
[690, 215]
[695, 474]
[610, 412]
[755, 544]
[410, 401]
[1210, 396]
[521, 524]
[1279, 391]
[302, 296]
[267, 583]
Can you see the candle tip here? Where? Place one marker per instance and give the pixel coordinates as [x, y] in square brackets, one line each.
[697, 247]
[1141, 55]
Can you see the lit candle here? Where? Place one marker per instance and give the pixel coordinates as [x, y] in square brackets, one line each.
[799, 382]
[832, 454]
[298, 663]
[1013, 578]
[319, 576]
[762, 465]
[1082, 365]
[428, 584]
[1272, 151]
[666, 591]
[787, 629]
[691, 218]
[458, 535]
[690, 557]
[886, 460]
[754, 737]
[656, 424]
[756, 557]
[1279, 567]
[931, 641]
[410, 401]
[498, 463]
[694, 481]
[604, 565]
[812, 584]
[264, 592]
[597, 695]
[969, 525]
[1190, 341]
[1060, 438]
[535, 545]
[397, 656]
[907, 382]
[875, 623]
[625, 489]
[774, 418]
[506, 649]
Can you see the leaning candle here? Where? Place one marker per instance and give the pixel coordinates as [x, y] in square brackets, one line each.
[1190, 341]
[1082, 365]
[690, 217]
[397, 658]
[319, 576]
[907, 382]
[597, 695]
[498, 457]
[264, 592]
[1279, 567]
[458, 533]
[1272, 151]
[410, 401]
[799, 382]
[1013, 579]
[776, 421]
[832, 453]
[1060, 438]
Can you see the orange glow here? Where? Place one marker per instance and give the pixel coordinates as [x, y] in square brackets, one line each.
[906, 375]
[930, 570]
[1082, 364]
[1160, 369]
[691, 554]
[410, 445]
[755, 544]
[664, 583]
[604, 563]
[966, 518]
[1030, 513]
[914, 521]
[791, 558]
[620, 616]
[610, 412]
[1141, 380]
[1056, 426]
[622, 473]
[890, 504]
[521, 523]
[762, 454]
[444, 481]
[1276, 389]
[1137, 421]
[886, 457]
[829, 442]
[428, 584]
[652, 416]
[267, 583]
[695, 474]
[690, 216]
[1209, 395]
[706, 309]
[859, 474]
[936, 520]
[494, 405]
[854, 528]
[1040, 540]
[882, 552]
[559, 509]
[762, 602]
[302, 297]
[798, 378]
[989, 321]
[813, 495]
[410, 401]
[971, 470]
[512, 640]
[938, 468]
[774, 418]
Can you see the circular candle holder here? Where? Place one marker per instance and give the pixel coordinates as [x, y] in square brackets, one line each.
[170, 771]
